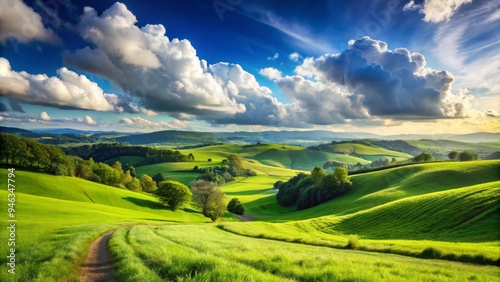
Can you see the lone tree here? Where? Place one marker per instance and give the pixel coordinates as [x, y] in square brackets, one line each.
[173, 194]
[424, 157]
[453, 155]
[235, 206]
[209, 198]
[235, 161]
[467, 156]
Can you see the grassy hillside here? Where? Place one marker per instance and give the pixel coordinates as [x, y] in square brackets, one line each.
[403, 210]
[58, 217]
[380, 187]
[166, 253]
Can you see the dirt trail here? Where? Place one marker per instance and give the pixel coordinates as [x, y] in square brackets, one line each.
[98, 266]
[245, 217]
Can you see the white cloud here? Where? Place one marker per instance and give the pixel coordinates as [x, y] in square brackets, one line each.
[45, 116]
[69, 90]
[138, 122]
[270, 73]
[45, 119]
[368, 80]
[20, 22]
[436, 11]
[88, 120]
[274, 57]
[165, 75]
[295, 56]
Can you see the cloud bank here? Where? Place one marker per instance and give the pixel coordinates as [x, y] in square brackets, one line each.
[68, 90]
[370, 80]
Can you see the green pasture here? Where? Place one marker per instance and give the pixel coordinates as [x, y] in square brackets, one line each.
[209, 254]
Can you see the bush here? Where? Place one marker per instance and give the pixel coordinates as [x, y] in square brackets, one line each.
[431, 253]
[235, 206]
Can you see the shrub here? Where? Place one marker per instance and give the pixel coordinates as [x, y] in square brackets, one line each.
[431, 253]
[235, 206]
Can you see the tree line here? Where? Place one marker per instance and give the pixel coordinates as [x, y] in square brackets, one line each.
[105, 151]
[308, 190]
[28, 153]
[229, 169]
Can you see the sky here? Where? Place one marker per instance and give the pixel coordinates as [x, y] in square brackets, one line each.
[384, 67]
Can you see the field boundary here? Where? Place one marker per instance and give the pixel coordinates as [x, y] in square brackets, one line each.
[428, 253]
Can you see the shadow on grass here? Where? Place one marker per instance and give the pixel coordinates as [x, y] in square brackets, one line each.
[144, 203]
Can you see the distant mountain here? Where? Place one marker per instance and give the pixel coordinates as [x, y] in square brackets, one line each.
[73, 131]
[296, 137]
[13, 130]
[171, 137]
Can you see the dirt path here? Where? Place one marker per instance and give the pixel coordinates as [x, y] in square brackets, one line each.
[98, 265]
[245, 217]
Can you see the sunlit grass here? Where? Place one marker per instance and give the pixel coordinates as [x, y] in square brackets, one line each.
[210, 254]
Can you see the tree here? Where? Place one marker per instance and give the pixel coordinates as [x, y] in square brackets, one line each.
[147, 183]
[134, 185]
[424, 157]
[209, 198]
[235, 206]
[467, 156]
[453, 155]
[317, 174]
[133, 173]
[235, 162]
[173, 194]
[190, 157]
[158, 178]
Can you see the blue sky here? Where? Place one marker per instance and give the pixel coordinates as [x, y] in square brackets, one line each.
[386, 67]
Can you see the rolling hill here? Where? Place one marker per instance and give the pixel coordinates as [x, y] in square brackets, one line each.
[171, 137]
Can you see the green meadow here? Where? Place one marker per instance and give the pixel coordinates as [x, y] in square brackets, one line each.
[423, 222]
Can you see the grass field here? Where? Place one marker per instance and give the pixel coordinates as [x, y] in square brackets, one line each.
[58, 217]
[166, 253]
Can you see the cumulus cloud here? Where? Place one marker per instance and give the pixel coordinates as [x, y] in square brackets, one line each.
[69, 90]
[139, 122]
[89, 120]
[295, 56]
[260, 106]
[369, 80]
[20, 22]
[44, 116]
[165, 75]
[436, 11]
[270, 73]
[320, 103]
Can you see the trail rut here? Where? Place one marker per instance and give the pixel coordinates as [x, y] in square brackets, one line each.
[98, 266]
